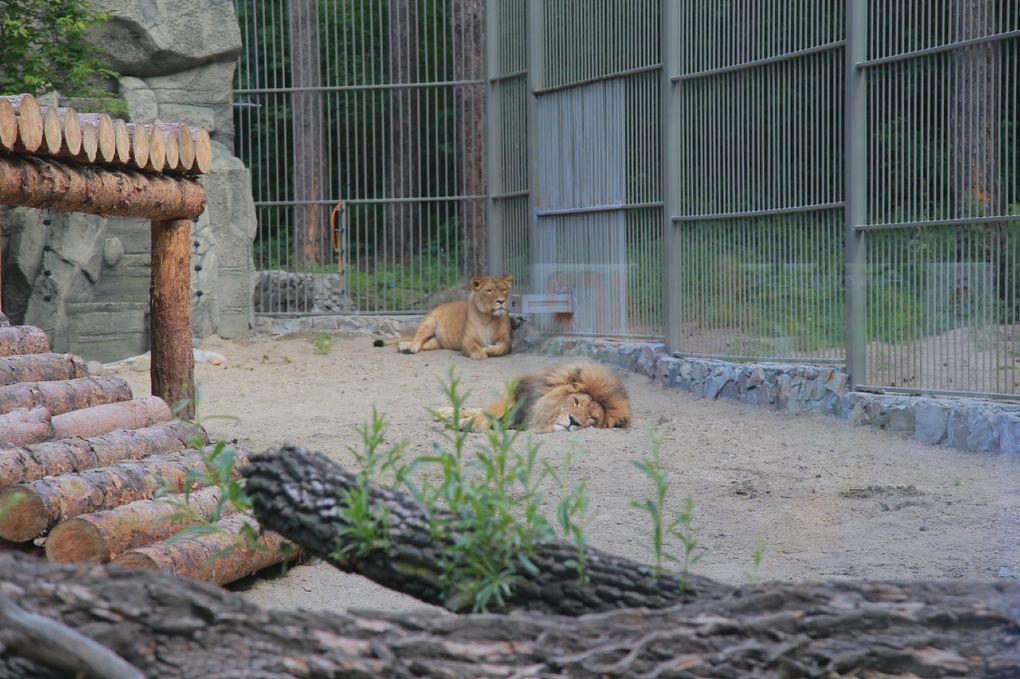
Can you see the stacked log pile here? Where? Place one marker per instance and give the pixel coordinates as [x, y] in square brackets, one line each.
[27, 127]
[82, 461]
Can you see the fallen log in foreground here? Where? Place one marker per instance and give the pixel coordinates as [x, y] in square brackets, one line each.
[299, 494]
[177, 628]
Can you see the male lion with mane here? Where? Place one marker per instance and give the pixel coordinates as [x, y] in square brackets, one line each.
[478, 326]
[566, 397]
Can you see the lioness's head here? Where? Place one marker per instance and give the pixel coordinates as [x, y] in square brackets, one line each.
[491, 294]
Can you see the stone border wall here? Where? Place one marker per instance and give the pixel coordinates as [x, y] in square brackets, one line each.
[968, 424]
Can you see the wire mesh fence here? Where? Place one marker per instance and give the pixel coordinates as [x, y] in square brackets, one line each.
[943, 197]
[378, 108]
[814, 180]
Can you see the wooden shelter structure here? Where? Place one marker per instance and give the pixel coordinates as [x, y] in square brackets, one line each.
[58, 159]
[81, 459]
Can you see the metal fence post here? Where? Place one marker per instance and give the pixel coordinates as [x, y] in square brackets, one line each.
[670, 195]
[536, 70]
[855, 141]
[496, 260]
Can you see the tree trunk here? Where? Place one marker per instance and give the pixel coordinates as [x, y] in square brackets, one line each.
[179, 628]
[218, 557]
[975, 141]
[64, 396]
[311, 238]
[401, 228]
[51, 458]
[23, 339]
[299, 494]
[467, 18]
[41, 368]
[172, 370]
[35, 507]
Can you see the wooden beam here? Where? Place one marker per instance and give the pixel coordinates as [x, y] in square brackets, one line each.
[51, 184]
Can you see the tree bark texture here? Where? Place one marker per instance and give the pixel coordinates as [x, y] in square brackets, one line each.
[467, 18]
[312, 240]
[23, 339]
[37, 506]
[179, 628]
[299, 495]
[25, 426]
[402, 218]
[99, 537]
[219, 557]
[49, 183]
[63, 456]
[172, 369]
[41, 367]
[102, 419]
[63, 396]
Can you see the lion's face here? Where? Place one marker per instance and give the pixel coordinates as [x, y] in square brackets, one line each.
[577, 411]
[491, 294]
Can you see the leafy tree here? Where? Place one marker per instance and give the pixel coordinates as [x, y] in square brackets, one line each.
[43, 46]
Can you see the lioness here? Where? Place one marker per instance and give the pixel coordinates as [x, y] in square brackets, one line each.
[561, 398]
[478, 326]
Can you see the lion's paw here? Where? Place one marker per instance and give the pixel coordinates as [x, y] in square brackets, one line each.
[407, 348]
[471, 419]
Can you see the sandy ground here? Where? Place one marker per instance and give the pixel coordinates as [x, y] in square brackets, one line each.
[828, 500]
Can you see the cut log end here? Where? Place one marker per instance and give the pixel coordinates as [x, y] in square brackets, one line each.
[8, 125]
[203, 152]
[144, 560]
[24, 517]
[76, 540]
[30, 123]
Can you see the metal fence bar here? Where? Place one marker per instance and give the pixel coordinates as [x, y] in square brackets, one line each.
[856, 130]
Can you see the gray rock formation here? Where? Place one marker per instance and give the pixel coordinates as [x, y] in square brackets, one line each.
[85, 279]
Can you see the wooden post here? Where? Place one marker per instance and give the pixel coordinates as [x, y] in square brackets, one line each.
[173, 368]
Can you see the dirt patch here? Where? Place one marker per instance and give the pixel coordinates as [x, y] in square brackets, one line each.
[826, 499]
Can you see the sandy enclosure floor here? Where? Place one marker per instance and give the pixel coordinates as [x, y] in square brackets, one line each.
[830, 500]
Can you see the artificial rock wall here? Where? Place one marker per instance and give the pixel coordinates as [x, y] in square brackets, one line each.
[85, 279]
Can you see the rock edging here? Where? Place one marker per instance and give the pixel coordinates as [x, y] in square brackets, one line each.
[968, 424]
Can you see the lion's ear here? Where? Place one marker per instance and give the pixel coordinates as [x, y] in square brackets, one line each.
[476, 282]
[508, 279]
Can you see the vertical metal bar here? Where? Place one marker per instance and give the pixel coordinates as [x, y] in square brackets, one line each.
[855, 141]
[672, 266]
[536, 70]
[495, 255]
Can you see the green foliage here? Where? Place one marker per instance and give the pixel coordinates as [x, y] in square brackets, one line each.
[323, 342]
[44, 46]
[681, 527]
[366, 527]
[494, 509]
[753, 576]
